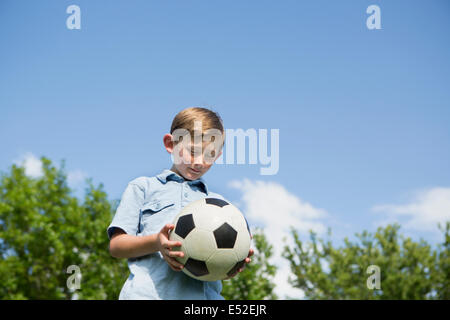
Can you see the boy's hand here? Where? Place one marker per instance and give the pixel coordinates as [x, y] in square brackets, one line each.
[165, 247]
[247, 261]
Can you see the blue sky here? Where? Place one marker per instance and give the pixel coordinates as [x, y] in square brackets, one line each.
[363, 114]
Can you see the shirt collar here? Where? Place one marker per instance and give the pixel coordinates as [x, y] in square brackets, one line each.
[169, 175]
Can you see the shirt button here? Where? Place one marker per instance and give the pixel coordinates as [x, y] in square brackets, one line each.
[185, 194]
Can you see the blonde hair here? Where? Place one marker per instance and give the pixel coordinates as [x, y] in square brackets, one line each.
[186, 119]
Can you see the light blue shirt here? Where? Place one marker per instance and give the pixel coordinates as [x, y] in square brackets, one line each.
[147, 204]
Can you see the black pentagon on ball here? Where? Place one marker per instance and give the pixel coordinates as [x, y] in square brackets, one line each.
[216, 202]
[236, 267]
[185, 225]
[225, 236]
[196, 267]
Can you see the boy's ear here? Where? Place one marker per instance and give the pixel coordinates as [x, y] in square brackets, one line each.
[168, 142]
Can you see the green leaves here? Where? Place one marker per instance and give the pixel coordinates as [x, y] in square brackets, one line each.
[409, 270]
[44, 230]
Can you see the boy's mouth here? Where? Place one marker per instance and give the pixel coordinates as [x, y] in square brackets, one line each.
[194, 171]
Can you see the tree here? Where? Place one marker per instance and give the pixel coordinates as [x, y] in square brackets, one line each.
[408, 269]
[255, 282]
[44, 230]
[443, 274]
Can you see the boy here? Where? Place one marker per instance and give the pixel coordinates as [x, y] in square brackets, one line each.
[142, 223]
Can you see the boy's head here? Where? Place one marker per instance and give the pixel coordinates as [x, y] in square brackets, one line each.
[196, 139]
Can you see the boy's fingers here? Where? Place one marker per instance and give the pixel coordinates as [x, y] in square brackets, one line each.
[174, 263]
[167, 228]
[170, 244]
[251, 252]
[166, 251]
[170, 256]
[231, 276]
[174, 254]
[174, 268]
[169, 253]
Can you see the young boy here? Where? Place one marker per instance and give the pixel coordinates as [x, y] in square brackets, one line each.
[142, 223]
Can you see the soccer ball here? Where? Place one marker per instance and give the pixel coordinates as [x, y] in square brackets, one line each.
[215, 239]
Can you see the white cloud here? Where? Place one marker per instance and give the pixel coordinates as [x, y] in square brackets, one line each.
[31, 164]
[277, 210]
[75, 177]
[33, 169]
[425, 210]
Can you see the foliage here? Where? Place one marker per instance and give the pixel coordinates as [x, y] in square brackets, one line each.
[44, 230]
[408, 269]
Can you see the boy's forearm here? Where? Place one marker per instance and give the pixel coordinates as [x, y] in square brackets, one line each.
[128, 246]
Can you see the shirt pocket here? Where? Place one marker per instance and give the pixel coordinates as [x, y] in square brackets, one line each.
[152, 217]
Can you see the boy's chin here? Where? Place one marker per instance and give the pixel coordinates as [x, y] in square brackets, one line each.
[191, 175]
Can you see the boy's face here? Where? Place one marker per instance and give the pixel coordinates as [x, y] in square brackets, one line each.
[192, 160]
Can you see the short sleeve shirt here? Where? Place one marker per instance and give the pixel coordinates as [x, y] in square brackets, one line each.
[147, 204]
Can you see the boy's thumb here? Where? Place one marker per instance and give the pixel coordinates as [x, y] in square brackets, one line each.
[167, 228]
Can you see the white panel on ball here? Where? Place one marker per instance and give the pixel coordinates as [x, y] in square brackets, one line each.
[201, 244]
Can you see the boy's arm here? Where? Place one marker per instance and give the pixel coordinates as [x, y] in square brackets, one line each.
[123, 245]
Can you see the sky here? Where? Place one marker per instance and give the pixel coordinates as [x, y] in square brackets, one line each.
[362, 114]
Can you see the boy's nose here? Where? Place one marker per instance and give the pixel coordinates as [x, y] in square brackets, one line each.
[198, 161]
